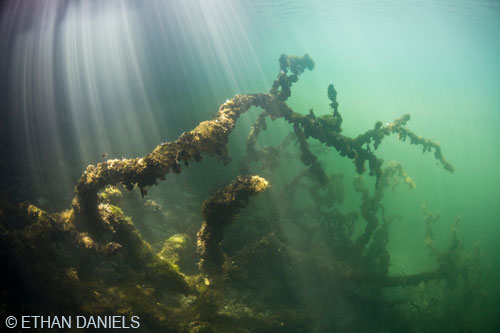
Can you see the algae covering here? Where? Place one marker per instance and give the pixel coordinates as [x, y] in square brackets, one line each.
[218, 274]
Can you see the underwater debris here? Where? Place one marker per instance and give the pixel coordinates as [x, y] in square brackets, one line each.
[111, 255]
[211, 137]
[455, 262]
[297, 65]
[218, 212]
[50, 268]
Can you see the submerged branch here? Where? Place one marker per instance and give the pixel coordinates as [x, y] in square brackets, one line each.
[219, 211]
[211, 137]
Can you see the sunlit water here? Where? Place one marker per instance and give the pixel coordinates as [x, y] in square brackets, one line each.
[83, 79]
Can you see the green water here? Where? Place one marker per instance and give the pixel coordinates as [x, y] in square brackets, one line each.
[434, 60]
[87, 79]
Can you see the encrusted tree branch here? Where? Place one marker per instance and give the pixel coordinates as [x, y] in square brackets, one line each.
[371, 204]
[308, 158]
[211, 137]
[219, 211]
[327, 128]
[208, 137]
[297, 65]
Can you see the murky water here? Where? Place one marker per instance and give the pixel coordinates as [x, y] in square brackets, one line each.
[83, 82]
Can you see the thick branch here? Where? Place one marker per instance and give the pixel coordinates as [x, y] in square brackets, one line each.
[219, 211]
[212, 136]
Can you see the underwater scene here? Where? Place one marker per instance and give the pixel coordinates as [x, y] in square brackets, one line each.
[250, 166]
